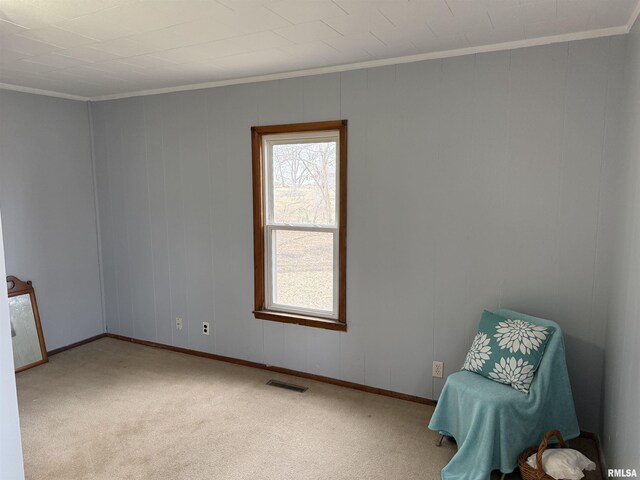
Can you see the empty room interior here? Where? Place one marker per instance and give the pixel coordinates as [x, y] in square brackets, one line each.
[311, 239]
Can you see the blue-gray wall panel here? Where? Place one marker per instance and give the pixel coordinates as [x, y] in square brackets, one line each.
[49, 217]
[621, 417]
[472, 184]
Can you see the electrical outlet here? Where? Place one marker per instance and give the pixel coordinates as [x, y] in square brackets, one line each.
[205, 328]
[178, 323]
[438, 368]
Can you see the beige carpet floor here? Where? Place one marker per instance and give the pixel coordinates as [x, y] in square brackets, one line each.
[116, 410]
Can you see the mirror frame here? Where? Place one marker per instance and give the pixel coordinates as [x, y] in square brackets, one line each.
[16, 287]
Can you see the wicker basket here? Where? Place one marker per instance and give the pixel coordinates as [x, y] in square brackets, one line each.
[529, 473]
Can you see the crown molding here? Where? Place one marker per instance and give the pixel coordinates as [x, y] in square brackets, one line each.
[531, 42]
[633, 17]
[38, 91]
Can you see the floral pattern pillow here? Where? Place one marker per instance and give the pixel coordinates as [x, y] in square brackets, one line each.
[507, 350]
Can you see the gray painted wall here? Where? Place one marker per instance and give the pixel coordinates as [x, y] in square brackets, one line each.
[10, 440]
[474, 182]
[621, 418]
[49, 220]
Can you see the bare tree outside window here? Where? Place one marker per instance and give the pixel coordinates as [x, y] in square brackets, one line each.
[304, 193]
[305, 183]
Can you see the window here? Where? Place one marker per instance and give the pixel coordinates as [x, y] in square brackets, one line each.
[299, 223]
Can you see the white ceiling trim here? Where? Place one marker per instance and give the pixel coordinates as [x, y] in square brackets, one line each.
[633, 17]
[621, 30]
[38, 91]
[532, 42]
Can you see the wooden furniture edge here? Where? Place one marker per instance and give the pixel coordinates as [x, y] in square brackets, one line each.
[284, 371]
[31, 365]
[17, 288]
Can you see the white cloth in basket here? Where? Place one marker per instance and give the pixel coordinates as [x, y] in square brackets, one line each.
[563, 463]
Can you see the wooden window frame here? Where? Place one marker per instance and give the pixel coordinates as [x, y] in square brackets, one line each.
[259, 224]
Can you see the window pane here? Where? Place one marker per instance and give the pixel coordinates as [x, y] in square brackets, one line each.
[304, 183]
[303, 269]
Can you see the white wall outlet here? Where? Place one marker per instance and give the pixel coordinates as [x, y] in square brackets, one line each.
[178, 323]
[438, 369]
[205, 328]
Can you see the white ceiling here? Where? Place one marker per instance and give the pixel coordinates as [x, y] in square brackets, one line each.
[109, 48]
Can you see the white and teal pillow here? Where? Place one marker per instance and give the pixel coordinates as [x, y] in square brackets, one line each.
[507, 350]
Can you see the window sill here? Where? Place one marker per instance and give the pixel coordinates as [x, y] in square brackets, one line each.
[300, 320]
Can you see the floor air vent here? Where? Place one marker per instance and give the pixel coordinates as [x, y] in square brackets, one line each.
[287, 386]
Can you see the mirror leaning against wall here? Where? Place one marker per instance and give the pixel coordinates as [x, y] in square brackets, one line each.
[26, 331]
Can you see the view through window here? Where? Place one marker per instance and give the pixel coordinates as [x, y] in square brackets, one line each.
[299, 206]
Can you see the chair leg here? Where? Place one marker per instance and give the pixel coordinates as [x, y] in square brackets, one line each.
[502, 476]
[439, 441]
